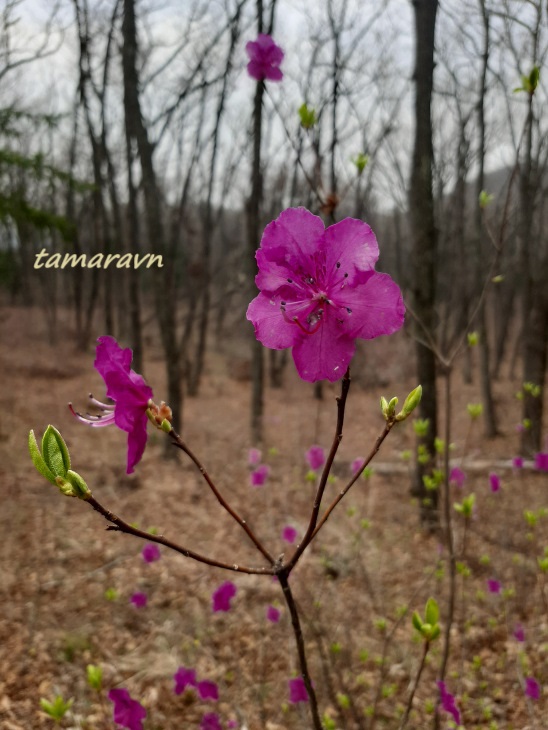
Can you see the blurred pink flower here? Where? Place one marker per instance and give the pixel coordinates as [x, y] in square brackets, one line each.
[493, 585]
[273, 614]
[457, 477]
[208, 690]
[494, 482]
[151, 552]
[254, 457]
[517, 462]
[297, 691]
[357, 464]
[265, 58]
[128, 713]
[289, 534]
[222, 596]
[319, 292]
[139, 600]
[519, 633]
[315, 457]
[532, 688]
[541, 461]
[211, 721]
[184, 678]
[448, 702]
[258, 476]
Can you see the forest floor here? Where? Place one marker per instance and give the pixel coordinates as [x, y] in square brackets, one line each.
[66, 583]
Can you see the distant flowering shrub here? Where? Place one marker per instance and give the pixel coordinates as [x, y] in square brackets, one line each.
[493, 586]
[457, 477]
[184, 678]
[139, 600]
[297, 691]
[211, 721]
[273, 614]
[532, 688]
[541, 461]
[289, 534]
[254, 457]
[265, 58]
[151, 553]
[259, 476]
[128, 713]
[448, 703]
[319, 292]
[519, 633]
[494, 482]
[222, 596]
[517, 462]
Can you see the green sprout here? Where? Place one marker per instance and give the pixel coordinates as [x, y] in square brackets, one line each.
[56, 709]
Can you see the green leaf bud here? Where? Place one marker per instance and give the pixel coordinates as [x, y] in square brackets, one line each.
[485, 199]
[308, 116]
[55, 452]
[79, 487]
[473, 339]
[432, 611]
[94, 674]
[410, 403]
[474, 410]
[360, 161]
[421, 426]
[38, 460]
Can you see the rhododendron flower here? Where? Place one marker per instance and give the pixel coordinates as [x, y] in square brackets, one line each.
[448, 702]
[519, 633]
[319, 292]
[494, 482]
[254, 457]
[541, 461]
[315, 457]
[517, 462]
[184, 678]
[131, 396]
[211, 721]
[258, 476]
[207, 690]
[151, 552]
[222, 596]
[493, 586]
[273, 614]
[289, 534]
[297, 691]
[532, 688]
[357, 464]
[139, 600]
[128, 713]
[457, 477]
[265, 58]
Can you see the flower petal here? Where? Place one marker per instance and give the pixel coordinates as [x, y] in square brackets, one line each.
[293, 238]
[376, 307]
[270, 326]
[325, 355]
[352, 244]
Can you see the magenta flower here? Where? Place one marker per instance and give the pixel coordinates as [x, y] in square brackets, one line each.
[493, 586]
[494, 482]
[265, 58]
[208, 690]
[184, 678]
[289, 534]
[315, 457]
[541, 461]
[319, 292]
[273, 614]
[254, 457]
[517, 462]
[222, 596]
[357, 464]
[457, 477]
[258, 476]
[211, 721]
[131, 396]
[151, 552]
[128, 713]
[532, 688]
[519, 633]
[448, 702]
[139, 600]
[297, 691]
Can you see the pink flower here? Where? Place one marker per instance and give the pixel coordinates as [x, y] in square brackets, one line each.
[357, 464]
[208, 690]
[131, 396]
[517, 462]
[297, 691]
[265, 58]
[519, 633]
[151, 552]
[532, 688]
[184, 678]
[319, 292]
[315, 457]
[289, 534]
[494, 482]
[231, 724]
[222, 597]
[210, 721]
[273, 614]
[448, 702]
[139, 600]
[127, 712]
[541, 461]
[254, 457]
[259, 475]
[457, 477]
[493, 586]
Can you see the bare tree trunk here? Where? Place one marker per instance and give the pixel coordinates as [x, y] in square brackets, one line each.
[424, 244]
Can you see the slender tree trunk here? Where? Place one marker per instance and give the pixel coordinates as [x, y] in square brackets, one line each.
[424, 244]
